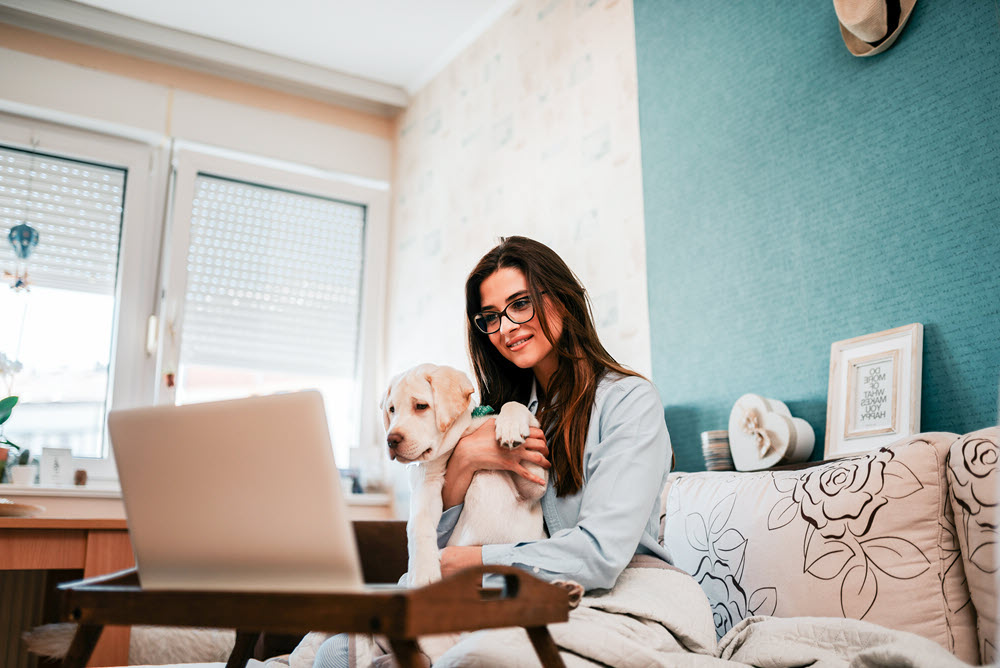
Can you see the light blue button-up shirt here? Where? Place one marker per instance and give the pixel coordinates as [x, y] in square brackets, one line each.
[594, 533]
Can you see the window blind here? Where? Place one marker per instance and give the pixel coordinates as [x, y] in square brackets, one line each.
[76, 208]
[273, 280]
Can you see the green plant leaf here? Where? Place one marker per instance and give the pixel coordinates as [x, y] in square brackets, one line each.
[6, 406]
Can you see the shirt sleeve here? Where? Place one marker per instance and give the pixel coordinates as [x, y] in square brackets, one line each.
[446, 525]
[623, 478]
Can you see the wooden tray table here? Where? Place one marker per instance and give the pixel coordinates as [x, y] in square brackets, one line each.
[456, 603]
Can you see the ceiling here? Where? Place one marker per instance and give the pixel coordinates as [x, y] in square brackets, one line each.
[381, 51]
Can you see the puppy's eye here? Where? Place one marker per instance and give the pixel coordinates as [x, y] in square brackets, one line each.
[392, 409]
[421, 407]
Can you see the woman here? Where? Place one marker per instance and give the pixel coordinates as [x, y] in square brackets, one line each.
[532, 339]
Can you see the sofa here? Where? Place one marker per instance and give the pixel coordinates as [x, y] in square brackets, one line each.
[903, 537]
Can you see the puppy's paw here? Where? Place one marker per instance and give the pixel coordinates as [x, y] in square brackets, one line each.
[423, 576]
[513, 424]
[510, 435]
[575, 591]
[49, 640]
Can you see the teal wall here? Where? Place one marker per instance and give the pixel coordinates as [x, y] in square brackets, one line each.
[796, 195]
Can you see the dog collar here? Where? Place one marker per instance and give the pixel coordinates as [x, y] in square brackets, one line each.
[480, 411]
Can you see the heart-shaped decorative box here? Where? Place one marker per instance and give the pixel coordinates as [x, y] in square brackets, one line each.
[763, 433]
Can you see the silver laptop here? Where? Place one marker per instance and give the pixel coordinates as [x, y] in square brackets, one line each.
[240, 495]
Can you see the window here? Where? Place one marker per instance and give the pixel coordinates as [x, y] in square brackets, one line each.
[265, 288]
[76, 210]
[273, 297]
[84, 195]
[182, 274]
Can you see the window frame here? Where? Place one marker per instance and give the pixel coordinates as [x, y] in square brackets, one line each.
[131, 369]
[188, 160]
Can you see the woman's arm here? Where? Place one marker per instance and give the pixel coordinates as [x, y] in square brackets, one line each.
[479, 452]
[626, 461]
[457, 557]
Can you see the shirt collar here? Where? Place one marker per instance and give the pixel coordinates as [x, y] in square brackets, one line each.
[533, 397]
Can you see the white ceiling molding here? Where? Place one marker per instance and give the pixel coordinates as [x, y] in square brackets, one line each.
[97, 27]
[470, 36]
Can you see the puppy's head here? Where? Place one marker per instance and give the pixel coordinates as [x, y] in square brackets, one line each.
[418, 409]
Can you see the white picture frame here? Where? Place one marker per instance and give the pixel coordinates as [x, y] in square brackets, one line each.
[57, 467]
[874, 391]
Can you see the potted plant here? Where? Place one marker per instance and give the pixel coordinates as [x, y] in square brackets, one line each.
[10, 453]
[21, 456]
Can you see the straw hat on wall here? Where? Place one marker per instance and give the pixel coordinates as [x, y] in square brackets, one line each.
[871, 26]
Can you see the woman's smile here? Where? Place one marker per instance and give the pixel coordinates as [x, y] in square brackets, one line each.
[518, 343]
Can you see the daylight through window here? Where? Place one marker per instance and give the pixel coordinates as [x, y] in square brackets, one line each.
[60, 329]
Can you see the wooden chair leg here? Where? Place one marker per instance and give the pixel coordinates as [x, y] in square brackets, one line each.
[242, 649]
[84, 641]
[545, 647]
[408, 654]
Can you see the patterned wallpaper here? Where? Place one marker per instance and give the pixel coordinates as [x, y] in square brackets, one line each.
[532, 130]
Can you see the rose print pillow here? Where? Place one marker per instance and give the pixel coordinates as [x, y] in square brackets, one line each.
[868, 537]
[973, 485]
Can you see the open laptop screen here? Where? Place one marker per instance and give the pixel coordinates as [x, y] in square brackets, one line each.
[240, 495]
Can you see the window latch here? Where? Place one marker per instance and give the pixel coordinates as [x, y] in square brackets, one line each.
[152, 334]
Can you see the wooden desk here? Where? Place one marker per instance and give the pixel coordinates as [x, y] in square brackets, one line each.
[95, 546]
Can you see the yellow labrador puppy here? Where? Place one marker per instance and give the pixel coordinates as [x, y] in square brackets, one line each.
[426, 410]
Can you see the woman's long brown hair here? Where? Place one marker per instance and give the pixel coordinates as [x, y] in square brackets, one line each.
[564, 413]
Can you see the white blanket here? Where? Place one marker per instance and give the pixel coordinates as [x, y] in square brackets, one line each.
[655, 615]
[828, 642]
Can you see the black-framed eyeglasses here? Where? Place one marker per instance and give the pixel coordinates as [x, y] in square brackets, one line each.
[518, 312]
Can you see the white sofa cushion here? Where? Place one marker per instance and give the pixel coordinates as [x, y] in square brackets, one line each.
[973, 486]
[867, 537]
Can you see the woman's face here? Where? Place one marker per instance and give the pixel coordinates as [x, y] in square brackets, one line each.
[523, 344]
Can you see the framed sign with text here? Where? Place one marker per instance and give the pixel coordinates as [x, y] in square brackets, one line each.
[874, 393]
[57, 467]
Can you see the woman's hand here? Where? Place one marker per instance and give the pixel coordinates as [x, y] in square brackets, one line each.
[479, 451]
[455, 558]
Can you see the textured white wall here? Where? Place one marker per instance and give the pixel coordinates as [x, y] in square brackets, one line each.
[532, 130]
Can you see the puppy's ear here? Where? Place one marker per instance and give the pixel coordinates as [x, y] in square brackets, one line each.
[451, 391]
[383, 404]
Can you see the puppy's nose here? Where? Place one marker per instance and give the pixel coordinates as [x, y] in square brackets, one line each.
[393, 439]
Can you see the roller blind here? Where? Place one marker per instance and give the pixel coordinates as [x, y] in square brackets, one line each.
[273, 279]
[76, 207]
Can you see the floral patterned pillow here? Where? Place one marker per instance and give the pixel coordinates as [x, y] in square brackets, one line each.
[866, 537]
[973, 486]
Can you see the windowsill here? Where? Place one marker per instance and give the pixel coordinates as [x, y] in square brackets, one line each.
[92, 490]
[111, 490]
